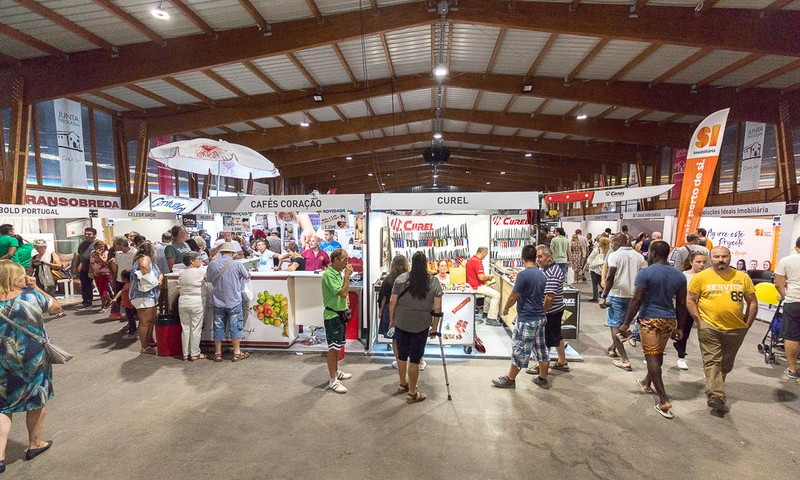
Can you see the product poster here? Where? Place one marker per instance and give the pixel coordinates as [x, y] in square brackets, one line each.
[236, 224]
[752, 151]
[69, 133]
[750, 240]
[331, 220]
[571, 315]
[458, 324]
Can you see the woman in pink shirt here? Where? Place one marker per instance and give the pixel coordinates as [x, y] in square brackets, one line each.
[100, 271]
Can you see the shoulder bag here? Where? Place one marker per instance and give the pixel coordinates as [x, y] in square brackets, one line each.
[147, 281]
[54, 353]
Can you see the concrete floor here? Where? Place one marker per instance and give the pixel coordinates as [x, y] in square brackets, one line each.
[119, 415]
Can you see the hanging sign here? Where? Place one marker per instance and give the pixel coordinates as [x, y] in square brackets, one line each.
[168, 203]
[678, 167]
[649, 214]
[607, 195]
[752, 153]
[455, 201]
[749, 210]
[69, 134]
[701, 161]
[282, 203]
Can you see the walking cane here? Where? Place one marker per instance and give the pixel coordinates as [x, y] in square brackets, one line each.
[444, 364]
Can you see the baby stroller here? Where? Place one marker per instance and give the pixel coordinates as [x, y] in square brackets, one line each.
[773, 339]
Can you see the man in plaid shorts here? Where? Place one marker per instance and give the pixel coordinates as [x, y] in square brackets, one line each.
[528, 339]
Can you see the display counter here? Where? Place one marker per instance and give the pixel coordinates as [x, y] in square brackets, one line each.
[281, 302]
[570, 319]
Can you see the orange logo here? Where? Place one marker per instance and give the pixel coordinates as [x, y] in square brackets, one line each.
[708, 136]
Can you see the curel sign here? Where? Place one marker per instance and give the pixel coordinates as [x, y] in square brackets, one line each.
[509, 221]
[398, 225]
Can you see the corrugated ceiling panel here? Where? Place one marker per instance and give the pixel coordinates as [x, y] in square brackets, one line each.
[554, 136]
[612, 58]
[221, 14]
[468, 146]
[294, 118]
[656, 116]
[19, 50]
[243, 79]
[283, 72]
[22, 19]
[525, 104]
[214, 131]
[376, 66]
[95, 19]
[178, 24]
[370, 134]
[324, 114]
[505, 131]
[354, 109]
[518, 52]
[786, 80]
[267, 122]
[417, 99]
[579, 138]
[659, 62]
[558, 107]
[332, 7]
[479, 128]
[472, 47]
[283, 10]
[623, 113]
[323, 64]
[460, 98]
[132, 97]
[454, 126]
[240, 127]
[594, 109]
[762, 66]
[566, 53]
[493, 102]
[420, 127]
[164, 89]
[492, 148]
[324, 141]
[205, 85]
[350, 137]
[91, 98]
[395, 130]
[410, 50]
[529, 133]
[303, 144]
[384, 104]
[711, 63]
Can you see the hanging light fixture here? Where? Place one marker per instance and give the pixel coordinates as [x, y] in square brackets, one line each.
[440, 71]
[349, 157]
[581, 114]
[437, 135]
[305, 122]
[528, 155]
[159, 12]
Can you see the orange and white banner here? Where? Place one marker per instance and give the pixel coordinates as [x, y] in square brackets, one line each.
[701, 161]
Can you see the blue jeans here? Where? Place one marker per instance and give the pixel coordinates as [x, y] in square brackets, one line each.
[232, 317]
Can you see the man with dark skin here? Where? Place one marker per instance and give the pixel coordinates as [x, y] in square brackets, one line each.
[655, 289]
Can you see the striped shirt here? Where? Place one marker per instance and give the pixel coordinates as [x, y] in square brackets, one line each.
[554, 285]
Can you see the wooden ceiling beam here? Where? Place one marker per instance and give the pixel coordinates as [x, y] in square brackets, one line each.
[31, 41]
[110, 98]
[67, 24]
[770, 75]
[340, 56]
[131, 20]
[193, 17]
[256, 15]
[542, 55]
[673, 25]
[191, 91]
[643, 55]
[387, 54]
[262, 76]
[315, 10]
[773, 7]
[681, 66]
[224, 83]
[750, 58]
[588, 58]
[152, 96]
[496, 50]
[135, 63]
[303, 71]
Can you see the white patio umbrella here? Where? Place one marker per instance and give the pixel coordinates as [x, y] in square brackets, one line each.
[224, 159]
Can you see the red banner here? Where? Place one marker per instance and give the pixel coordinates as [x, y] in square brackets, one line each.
[701, 161]
[678, 167]
[165, 174]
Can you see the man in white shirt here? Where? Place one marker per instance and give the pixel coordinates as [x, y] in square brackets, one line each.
[623, 265]
[787, 280]
[227, 237]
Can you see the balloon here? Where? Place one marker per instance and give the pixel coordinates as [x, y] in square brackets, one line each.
[767, 293]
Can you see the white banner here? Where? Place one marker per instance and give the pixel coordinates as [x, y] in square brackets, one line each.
[749, 210]
[69, 132]
[649, 214]
[752, 153]
[455, 201]
[167, 203]
[58, 199]
[281, 203]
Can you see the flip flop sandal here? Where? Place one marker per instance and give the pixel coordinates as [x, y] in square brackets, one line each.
[402, 388]
[198, 357]
[148, 350]
[217, 357]
[623, 366]
[644, 387]
[663, 413]
[240, 356]
[559, 367]
[416, 398]
[612, 354]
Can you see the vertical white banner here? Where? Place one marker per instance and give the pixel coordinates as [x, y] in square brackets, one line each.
[752, 153]
[69, 131]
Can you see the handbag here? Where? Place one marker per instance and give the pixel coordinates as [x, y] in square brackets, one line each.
[147, 281]
[54, 353]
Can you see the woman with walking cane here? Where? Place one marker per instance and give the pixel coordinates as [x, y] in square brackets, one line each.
[415, 309]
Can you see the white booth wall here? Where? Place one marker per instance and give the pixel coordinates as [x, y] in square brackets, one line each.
[596, 227]
[152, 229]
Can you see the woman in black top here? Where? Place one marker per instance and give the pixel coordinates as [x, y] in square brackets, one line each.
[399, 265]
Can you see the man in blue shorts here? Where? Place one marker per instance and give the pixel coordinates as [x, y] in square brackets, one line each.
[528, 338]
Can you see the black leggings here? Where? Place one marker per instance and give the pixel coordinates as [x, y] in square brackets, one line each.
[410, 346]
[595, 284]
[680, 345]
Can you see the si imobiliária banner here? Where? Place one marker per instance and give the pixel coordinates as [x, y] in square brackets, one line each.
[701, 161]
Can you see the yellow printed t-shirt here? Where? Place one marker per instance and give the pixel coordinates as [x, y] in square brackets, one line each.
[721, 301]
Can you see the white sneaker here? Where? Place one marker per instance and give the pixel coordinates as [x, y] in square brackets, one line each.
[422, 365]
[340, 375]
[394, 364]
[682, 364]
[337, 387]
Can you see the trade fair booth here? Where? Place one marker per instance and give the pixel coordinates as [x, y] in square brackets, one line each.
[286, 301]
[450, 227]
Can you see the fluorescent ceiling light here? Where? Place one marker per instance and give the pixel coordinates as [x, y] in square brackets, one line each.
[304, 123]
[440, 70]
[437, 135]
[369, 174]
[317, 97]
[502, 173]
[435, 175]
[488, 183]
[159, 12]
[349, 157]
[527, 88]
[582, 116]
[528, 155]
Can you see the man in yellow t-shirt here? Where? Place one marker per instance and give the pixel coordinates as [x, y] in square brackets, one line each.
[716, 302]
